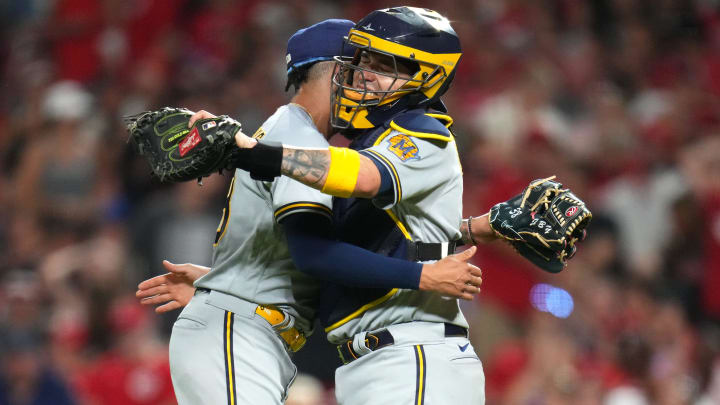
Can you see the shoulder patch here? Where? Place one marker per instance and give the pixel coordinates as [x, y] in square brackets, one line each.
[403, 147]
[423, 126]
[259, 134]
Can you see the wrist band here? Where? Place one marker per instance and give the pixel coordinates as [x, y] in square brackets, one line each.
[343, 173]
[263, 161]
[470, 232]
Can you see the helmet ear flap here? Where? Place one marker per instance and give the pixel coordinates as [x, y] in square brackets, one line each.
[417, 98]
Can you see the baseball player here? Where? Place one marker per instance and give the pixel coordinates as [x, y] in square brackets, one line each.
[408, 345]
[232, 342]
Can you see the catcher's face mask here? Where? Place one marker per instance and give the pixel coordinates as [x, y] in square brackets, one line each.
[404, 51]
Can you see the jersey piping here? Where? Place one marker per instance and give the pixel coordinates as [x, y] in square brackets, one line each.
[302, 206]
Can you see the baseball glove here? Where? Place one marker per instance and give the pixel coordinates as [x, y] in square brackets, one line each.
[543, 223]
[177, 153]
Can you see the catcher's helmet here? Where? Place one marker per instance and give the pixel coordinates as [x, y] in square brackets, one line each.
[418, 39]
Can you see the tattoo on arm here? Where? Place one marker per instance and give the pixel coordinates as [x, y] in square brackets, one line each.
[309, 167]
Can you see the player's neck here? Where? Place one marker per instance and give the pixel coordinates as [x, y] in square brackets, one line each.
[312, 99]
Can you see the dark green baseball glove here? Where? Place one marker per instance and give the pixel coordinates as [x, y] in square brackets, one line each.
[177, 153]
[543, 223]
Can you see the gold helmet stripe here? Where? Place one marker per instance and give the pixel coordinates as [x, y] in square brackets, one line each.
[364, 40]
[427, 61]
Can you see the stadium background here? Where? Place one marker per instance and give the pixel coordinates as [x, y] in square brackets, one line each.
[619, 98]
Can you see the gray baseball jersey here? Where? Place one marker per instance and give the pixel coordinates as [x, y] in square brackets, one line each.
[221, 351]
[426, 204]
[427, 360]
[251, 258]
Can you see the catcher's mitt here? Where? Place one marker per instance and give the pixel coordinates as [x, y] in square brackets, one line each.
[542, 223]
[177, 153]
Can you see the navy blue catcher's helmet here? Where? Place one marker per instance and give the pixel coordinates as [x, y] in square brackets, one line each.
[416, 37]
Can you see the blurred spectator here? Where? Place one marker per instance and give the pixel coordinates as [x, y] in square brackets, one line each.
[26, 378]
[701, 165]
[135, 370]
[636, 201]
[180, 226]
[84, 280]
[633, 358]
[712, 394]
[22, 302]
[74, 29]
[26, 374]
[57, 176]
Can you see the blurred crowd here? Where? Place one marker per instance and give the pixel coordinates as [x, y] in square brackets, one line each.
[618, 98]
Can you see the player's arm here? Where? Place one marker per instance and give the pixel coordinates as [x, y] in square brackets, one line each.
[477, 230]
[341, 172]
[315, 252]
[355, 174]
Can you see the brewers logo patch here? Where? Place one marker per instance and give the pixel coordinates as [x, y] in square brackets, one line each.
[403, 147]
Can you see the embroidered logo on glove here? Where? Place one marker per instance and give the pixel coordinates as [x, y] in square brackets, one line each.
[571, 211]
[189, 142]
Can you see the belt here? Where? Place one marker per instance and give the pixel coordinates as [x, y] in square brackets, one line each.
[382, 338]
[292, 336]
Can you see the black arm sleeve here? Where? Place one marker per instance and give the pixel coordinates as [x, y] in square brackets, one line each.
[315, 252]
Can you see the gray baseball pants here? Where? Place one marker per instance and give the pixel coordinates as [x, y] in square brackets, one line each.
[221, 352]
[421, 367]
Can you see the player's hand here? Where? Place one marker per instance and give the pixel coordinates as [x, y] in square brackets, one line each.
[453, 276]
[200, 115]
[172, 290]
[243, 141]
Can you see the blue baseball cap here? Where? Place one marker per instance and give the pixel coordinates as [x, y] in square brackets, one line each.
[318, 42]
